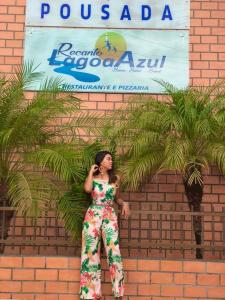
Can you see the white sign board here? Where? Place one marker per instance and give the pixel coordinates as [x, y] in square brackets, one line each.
[101, 60]
[149, 14]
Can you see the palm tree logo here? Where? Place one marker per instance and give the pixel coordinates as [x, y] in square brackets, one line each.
[111, 45]
[108, 44]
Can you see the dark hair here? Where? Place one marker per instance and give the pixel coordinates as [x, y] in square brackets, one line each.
[98, 159]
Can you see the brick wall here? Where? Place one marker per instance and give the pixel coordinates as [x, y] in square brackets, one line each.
[57, 278]
[207, 63]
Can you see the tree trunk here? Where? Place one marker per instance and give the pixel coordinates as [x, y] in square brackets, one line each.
[194, 195]
[5, 216]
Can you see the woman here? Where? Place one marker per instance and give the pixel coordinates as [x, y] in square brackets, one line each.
[101, 220]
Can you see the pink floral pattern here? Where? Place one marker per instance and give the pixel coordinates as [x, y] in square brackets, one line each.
[100, 218]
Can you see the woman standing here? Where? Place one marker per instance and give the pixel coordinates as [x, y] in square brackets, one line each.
[101, 221]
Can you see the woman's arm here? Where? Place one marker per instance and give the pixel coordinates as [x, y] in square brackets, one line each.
[89, 180]
[125, 205]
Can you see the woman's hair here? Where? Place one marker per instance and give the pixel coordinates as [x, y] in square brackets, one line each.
[98, 159]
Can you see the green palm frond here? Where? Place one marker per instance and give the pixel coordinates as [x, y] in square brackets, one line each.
[71, 207]
[30, 193]
[182, 132]
[51, 158]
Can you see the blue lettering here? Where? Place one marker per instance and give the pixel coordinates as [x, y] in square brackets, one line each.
[64, 47]
[123, 60]
[82, 12]
[95, 62]
[65, 11]
[81, 63]
[52, 60]
[167, 13]
[146, 9]
[125, 13]
[104, 7]
[45, 9]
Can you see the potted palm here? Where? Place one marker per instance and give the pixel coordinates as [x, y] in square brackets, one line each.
[38, 158]
[184, 133]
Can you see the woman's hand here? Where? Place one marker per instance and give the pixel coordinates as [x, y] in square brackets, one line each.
[125, 210]
[93, 169]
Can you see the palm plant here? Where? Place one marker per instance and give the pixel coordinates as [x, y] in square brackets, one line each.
[185, 134]
[38, 159]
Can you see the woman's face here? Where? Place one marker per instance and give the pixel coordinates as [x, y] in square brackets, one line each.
[107, 162]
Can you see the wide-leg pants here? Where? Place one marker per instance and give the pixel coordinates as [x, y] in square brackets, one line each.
[100, 221]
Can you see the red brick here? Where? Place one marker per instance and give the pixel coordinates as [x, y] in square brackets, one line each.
[195, 5]
[209, 39]
[5, 296]
[9, 2]
[219, 14]
[17, 10]
[73, 287]
[148, 265]
[13, 60]
[210, 73]
[160, 277]
[216, 292]
[215, 267]
[200, 82]
[97, 97]
[57, 262]
[182, 278]
[206, 279]
[33, 286]
[203, 30]
[148, 289]
[201, 14]
[174, 197]
[69, 297]
[56, 287]
[5, 274]
[16, 26]
[130, 264]
[209, 5]
[114, 97]
[167, 265]
[50, 297]
[23, 296]
[167, 188]
[194, 56]
[14, 43]
[218, 31]
[46, 274]
[192, 266]
[131, 289]
[69, 275]
[6, 51]
[210, 22]
[5, 69]
[74, 263]
[201, 48]
[7, 18]
[23, 274]
[34, 262]
[10, 286]
[171, 290]
[200, 65]
[195, 292]
[3, 9]
[90, 104]
[10, 262]
[221, 5]
[139, 277]
[105, 105]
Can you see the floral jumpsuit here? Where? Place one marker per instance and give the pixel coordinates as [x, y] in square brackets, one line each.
[100, 220]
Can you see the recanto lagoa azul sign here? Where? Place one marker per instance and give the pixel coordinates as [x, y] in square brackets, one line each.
[157, 14]
[101, 60]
